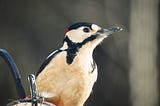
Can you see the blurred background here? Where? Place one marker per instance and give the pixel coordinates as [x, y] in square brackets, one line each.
[128, 61]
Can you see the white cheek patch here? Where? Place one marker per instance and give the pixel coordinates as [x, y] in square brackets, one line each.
[76, 35]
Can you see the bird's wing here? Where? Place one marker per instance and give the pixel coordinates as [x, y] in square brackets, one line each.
[48, 59]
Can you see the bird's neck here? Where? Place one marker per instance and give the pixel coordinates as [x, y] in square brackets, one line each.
[75, 49]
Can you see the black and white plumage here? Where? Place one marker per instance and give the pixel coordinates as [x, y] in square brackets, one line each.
[68, 74]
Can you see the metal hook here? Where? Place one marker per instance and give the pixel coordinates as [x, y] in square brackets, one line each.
[15, 72]
[33, 89]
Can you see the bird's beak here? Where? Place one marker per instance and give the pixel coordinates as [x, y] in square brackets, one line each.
[107, 32]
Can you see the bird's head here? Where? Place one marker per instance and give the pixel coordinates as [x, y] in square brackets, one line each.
[83, 33]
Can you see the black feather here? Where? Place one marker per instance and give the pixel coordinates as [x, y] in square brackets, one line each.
[79, 24]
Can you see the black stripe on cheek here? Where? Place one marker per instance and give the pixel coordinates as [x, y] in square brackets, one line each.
[91, 38]
[69, 42]
[71, 51]
[74, 47]
[70, 56]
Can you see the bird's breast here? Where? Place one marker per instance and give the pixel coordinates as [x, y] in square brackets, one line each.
[66, 81]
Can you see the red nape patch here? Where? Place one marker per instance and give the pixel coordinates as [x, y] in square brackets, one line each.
[66, 31]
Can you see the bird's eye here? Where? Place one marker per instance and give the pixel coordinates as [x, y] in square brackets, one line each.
[86, 30]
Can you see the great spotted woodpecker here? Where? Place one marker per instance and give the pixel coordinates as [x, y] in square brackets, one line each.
[68, 74]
